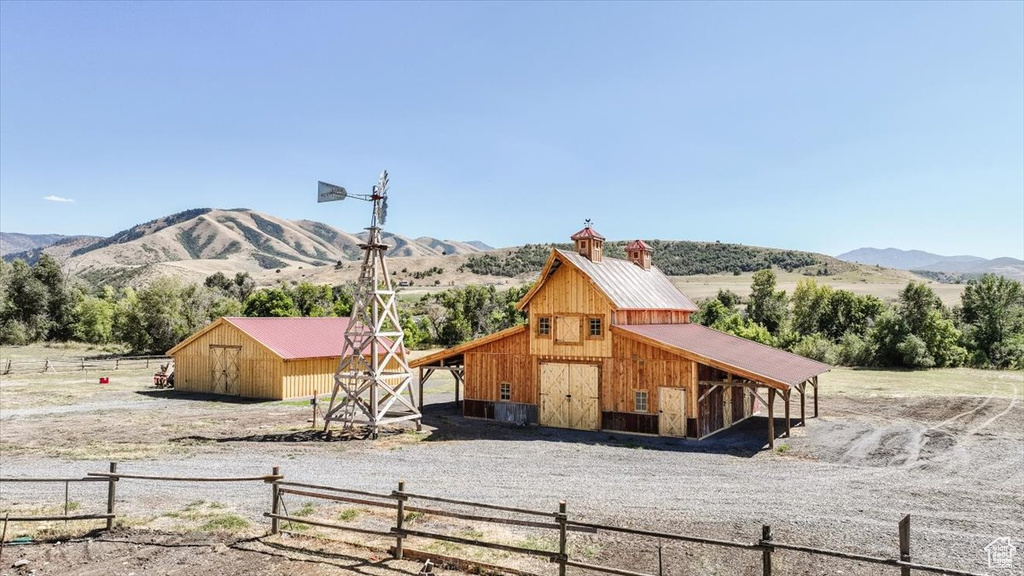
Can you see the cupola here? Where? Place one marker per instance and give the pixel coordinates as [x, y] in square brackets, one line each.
[589, 243]
[639, 253]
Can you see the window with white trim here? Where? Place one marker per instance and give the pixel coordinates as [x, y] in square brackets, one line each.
[640, 400]
[505, 392]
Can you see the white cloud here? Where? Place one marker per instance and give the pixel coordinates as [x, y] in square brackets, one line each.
[52, 198]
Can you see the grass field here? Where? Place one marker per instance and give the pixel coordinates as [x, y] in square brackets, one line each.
[937, 382]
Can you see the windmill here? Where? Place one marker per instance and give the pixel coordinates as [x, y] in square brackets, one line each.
[373, 374]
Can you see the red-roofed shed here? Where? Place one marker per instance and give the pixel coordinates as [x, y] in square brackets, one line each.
[273, 358]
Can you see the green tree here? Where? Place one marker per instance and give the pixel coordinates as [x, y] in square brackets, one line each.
[270, 302]
[810, 300]
[312, 299]
[60, 301]
[26, 301]
[767, 306]
[993, 316]
[96, 317]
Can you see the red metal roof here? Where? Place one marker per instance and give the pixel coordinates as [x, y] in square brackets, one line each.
[637, 245]
[587, 232]
[747, 355]
[293, 338]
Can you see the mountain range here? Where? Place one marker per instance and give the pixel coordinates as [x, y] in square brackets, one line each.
[213, 239]
[917, 260]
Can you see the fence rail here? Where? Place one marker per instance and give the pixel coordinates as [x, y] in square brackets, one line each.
[12, 367]
[397, 501]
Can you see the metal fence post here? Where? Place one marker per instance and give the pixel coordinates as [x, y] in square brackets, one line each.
[275, 501]
[563, 556]
[905, 544]
[400, 520]
[111, 494]
[766, 553]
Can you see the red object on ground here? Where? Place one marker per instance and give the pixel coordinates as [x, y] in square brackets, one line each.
[104, 380]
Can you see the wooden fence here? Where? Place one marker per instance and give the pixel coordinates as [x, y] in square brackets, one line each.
[78, 364]
[400, 501]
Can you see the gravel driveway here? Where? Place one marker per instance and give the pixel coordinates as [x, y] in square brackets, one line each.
[956, 464]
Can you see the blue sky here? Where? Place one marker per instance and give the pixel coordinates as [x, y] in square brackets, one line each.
[815, 126]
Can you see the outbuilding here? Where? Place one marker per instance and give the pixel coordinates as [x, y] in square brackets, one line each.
[272, 358]
[609, 346]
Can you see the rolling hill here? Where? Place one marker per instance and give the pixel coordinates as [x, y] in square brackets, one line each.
[946, 267]
[196, 243]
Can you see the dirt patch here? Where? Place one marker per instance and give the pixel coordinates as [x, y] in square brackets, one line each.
[162, 553]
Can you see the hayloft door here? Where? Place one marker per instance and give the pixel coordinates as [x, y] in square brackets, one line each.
[554, 395]
[224, 362]
[672, 412]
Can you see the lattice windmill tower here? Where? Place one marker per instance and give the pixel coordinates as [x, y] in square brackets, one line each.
[373, 375]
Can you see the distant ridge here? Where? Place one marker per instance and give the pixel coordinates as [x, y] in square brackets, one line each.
[926, 261]
[214, 239]
[13, 242]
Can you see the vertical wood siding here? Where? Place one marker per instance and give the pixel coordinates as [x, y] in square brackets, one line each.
[639, 366]
[569, 292]
[504, 360]
[260, 371]
[638, 317]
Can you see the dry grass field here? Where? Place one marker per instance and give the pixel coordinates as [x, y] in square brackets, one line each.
[884, 283]
[946, 446]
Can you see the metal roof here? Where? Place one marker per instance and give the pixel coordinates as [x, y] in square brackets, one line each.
[747, 355]
[293, 338]
[587, 232]
[637, 245]
[629, 286]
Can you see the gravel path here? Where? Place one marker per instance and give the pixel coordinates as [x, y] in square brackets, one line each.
[956, 464]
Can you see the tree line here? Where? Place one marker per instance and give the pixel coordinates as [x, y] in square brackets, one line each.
[916, 331]
[41, 302]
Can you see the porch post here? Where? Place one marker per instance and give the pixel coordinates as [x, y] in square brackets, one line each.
[420, 381]
[785, 395]
[803, 403]
[771, 417]
[814, 382]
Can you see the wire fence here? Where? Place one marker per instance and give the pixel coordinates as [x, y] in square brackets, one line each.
[65, 364]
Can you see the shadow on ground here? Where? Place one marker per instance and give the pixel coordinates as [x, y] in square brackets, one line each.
[745, 439]
[171, 393]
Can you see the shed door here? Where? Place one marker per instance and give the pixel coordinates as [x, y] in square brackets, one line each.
[569, 396]
[224, 361]
[672, 412]
[584, 410]
[554, 395]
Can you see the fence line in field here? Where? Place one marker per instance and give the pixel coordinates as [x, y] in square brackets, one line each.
[397, 501]
[11, 367]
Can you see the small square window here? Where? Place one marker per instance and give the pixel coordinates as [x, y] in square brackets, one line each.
[544, 326]
[640, 401]
[505, 392]
[595, 328]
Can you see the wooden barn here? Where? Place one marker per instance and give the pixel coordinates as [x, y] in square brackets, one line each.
[273, 358]
[609, 346]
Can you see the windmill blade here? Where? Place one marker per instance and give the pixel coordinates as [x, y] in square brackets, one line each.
[383, 210]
